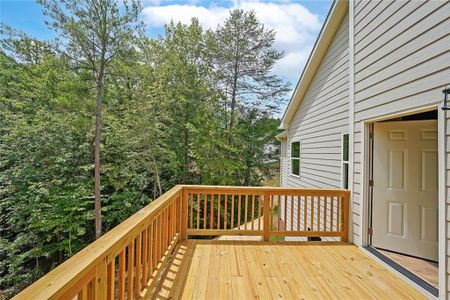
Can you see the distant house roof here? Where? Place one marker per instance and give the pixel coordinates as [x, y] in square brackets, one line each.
[334, 18]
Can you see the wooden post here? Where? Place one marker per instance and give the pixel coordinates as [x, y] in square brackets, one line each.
[266, 216]
[184, 215]
[101, 280]
[346, 219]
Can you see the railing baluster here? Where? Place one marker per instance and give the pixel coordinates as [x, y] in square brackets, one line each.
[325, 211]
[245, 211]
[144, 258]
[298, 211]
[267, 216]
[205, 208]
[150, 250]
[345, 218]
[172, 221]
[158, 240]
[225, 207]
[218, 211]
[121, 280]
[101, 287]
[312, 212]
[232, 210]
[198, 211]
[84, 293]
[292, 210]
[279, 210]
[259, 210]
[285, 212]
[155, 243]
[319, 208]
[338, 214]
[137, 282]
[239, 212]
[130, 273]
[163, 230]
[305, 213]
[191, 203]
[111, 270]
[253, 212]
[332, 213]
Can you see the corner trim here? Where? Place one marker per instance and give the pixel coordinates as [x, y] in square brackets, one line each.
[351, 106]
[442, 206]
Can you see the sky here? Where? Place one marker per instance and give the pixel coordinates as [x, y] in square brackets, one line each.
[297, 22]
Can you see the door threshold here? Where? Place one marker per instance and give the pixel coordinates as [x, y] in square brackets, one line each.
[405, 272]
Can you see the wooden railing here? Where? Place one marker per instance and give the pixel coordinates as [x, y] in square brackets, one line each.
[128, 261]
[125, 263]
[265, 211]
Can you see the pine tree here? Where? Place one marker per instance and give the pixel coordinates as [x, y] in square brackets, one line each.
[91, 34]
[244, 60]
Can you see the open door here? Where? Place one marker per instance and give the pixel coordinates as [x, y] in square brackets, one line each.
[405, 188]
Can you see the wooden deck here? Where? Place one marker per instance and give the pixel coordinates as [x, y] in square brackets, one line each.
[264, 270]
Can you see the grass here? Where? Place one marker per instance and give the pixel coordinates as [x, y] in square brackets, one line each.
[274, 182]
[275, 216]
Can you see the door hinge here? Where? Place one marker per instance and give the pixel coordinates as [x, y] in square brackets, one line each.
[371, 135]
[371, 182]
[370, 231]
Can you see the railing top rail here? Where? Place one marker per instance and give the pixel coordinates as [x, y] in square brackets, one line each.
[243, 189]
[81, 263]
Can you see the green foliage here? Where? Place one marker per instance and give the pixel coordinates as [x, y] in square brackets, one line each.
[167, 119]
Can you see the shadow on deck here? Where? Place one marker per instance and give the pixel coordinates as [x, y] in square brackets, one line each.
[263, 270]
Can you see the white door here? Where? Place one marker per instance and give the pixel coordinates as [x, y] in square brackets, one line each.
[405, 188]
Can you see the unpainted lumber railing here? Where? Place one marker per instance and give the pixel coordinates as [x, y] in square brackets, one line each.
[128, 261]
[266, 211]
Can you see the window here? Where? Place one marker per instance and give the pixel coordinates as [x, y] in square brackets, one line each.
[295, 158]
[345, 155]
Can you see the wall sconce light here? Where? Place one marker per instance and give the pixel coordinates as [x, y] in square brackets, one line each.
[446, 92]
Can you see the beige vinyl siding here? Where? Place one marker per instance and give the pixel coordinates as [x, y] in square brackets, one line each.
[402, 62]
[319, 123]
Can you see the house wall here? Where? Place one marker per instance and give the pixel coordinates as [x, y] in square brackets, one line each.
[284, 159]
[401, 63]
[320, 121]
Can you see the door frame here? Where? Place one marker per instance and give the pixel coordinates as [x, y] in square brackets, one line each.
[365, 192]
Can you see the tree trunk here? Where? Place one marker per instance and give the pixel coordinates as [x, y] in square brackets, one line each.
[185, 144]
[98, 125]
[232, 110]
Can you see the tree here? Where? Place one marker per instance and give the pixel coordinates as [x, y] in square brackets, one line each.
[244, 58]
[91, 34]
[45, 186]
[183, 59]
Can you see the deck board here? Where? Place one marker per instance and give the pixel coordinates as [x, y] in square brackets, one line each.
[263, 270]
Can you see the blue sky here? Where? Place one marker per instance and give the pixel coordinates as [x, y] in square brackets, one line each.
[297, 22]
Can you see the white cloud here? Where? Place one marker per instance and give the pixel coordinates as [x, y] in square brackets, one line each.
[160, 15]
[296, 26]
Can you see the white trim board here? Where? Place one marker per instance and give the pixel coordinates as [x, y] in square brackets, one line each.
[351, 108]
[442, 222]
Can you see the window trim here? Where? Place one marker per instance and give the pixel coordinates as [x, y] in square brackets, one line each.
[345, 162]
[296, 158]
